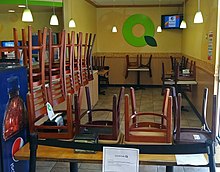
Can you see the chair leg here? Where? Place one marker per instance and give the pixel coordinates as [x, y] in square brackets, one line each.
[150, 72]
[126, 74]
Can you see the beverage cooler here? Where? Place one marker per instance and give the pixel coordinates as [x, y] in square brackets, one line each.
[13, 117]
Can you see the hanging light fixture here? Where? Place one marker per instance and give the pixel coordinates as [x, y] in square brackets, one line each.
[72, 23]
[27, 16]
[54, 20]
[198, 16]
[114, 28]
[159, 29]
[183, 23]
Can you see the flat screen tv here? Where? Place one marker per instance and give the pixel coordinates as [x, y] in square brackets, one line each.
[9, 43]
[171, 21]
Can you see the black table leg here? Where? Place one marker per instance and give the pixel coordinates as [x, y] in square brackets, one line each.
[211, 147]
[99, 87]
[169, 168]
[33, 152]
[73, 167]
[138, 78]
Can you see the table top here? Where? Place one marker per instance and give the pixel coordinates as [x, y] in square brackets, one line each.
[49, 153]
[103, 72]
[138, 69]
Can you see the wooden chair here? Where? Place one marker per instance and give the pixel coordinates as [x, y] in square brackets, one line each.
[83, 60]
[167, 79]
[77, 57]
[108, 130]
[185, 80]
[200, 134]
[69, 79]
[56, 69]
[173, 61]
[183, 63]
[36, 72]
[91, 43]
[147, 65]
[131, 64]
[99, 64]
[139, 129]
[54, 93]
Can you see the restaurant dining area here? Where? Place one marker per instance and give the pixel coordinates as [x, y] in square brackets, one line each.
[109, 85]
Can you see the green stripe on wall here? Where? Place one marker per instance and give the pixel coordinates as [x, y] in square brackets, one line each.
[40, 3]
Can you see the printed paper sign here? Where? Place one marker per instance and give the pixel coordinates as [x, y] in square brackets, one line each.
[117, 159]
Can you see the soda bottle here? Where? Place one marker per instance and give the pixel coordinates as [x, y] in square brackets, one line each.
[14, 117]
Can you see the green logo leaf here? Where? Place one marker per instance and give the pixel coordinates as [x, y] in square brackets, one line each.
[150, 41]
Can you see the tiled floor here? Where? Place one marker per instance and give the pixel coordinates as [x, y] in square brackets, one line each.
[148, 99]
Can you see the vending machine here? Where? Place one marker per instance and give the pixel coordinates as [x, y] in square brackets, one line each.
[13, 117]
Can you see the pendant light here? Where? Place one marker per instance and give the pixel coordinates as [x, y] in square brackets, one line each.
[198, 16]
[27, 16]
[183, 23]
[72, 23]
[159, 29]
[54, 20]
[114, 28]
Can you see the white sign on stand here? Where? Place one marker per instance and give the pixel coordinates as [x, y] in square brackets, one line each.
[117, 159]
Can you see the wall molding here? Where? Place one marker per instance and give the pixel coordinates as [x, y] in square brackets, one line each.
[203, 65]
[134, 54]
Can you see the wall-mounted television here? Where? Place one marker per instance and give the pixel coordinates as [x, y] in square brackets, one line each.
[171, 21]
[9, 43]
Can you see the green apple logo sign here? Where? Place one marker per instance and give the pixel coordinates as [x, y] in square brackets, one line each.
[147, 38]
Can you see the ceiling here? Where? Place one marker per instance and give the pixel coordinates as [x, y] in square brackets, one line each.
[135, 3]
[34, 8]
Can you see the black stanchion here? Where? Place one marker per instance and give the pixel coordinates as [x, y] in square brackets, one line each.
[73, 167]
[33, 152]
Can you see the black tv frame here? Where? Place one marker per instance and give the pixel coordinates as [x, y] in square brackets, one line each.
[163, 22]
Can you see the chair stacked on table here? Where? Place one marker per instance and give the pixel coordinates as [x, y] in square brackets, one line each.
[95, 120]
[59, 73]
[182, 75]
[138, 64]
[98, 63]
[148, 127]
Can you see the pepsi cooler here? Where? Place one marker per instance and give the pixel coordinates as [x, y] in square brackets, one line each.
[13, 117]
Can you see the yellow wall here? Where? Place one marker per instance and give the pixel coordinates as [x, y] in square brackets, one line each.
[84, 15]
[194, 38]
[168, 40]
[13, 20]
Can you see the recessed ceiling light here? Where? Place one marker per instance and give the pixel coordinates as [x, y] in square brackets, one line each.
[11, 11]
[21, 6]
